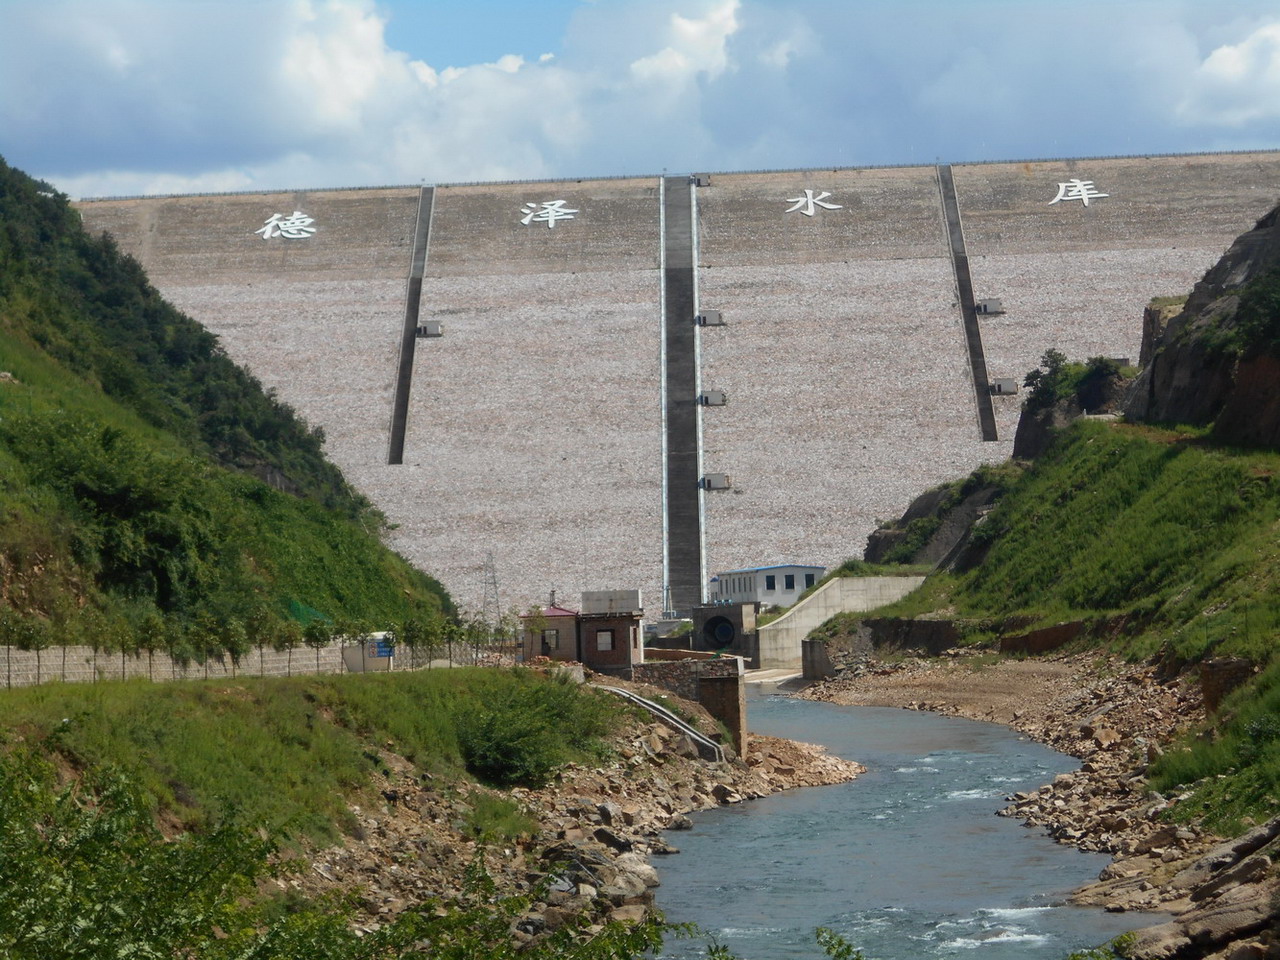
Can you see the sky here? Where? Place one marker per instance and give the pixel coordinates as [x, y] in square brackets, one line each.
[126, 97]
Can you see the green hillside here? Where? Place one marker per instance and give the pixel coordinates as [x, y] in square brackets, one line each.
[1157, 537]
[152, 494]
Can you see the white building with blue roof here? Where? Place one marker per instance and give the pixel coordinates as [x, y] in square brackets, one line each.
[778, 585]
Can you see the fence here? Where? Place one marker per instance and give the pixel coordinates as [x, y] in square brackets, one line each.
[75, 664]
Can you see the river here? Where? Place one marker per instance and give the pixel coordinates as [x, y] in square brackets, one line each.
[907, 862]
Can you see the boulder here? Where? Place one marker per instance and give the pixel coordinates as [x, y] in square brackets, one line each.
[1248, 870]
[1237, 913]
[628, 913]
[1161, 942]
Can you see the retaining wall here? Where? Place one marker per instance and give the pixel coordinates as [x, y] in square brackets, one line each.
[782, 640]
[25, 668]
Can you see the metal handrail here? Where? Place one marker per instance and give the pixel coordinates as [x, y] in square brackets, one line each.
[707, 748]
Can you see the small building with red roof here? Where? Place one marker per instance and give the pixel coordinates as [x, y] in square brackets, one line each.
[605, 636]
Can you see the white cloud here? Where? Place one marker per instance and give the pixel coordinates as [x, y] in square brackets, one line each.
[695, 45]
[334, 61]
[129, 96]
[1237, 83]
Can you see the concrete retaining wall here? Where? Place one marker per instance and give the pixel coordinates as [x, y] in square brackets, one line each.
[781, 641]
[24, 668]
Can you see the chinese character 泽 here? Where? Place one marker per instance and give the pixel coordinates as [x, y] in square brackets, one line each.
[548, 212]
[1081, 190]
[295, 227]
[806, 203]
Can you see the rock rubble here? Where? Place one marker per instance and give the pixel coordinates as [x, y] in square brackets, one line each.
[597, 827]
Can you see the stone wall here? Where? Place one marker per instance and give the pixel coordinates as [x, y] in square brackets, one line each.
[22, 668]
[1220, 675]
[1043, 640]
[681, 677]
[930, 637]
[717, 683]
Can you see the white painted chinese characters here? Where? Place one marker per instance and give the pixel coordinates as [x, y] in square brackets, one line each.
[808, 202]
[548, 212]
[1082, 190]
[295, 227]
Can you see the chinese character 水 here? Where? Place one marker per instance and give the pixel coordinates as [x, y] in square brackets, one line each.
[548, 212]
[1081, 190]
[295, 227]
[807, 203]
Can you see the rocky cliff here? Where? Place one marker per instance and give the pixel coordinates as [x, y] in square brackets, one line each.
[1209, 365]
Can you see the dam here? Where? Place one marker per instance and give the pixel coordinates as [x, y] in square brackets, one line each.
[567, 419]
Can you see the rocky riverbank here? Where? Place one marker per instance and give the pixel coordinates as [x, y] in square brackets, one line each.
[1115, 718]
[597, 827]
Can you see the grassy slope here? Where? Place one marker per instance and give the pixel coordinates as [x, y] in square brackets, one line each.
[130, 448]
[1156, 526]
[291, 753]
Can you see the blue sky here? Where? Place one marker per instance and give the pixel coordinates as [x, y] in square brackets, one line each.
[455, 34]
[108, 97]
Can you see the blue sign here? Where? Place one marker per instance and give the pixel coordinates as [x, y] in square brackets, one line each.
[379, 648]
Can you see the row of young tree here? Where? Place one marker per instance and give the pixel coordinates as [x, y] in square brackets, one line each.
[424, 637]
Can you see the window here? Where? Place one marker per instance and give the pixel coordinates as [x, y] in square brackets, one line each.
[604, 639]
[789, 581]
[770, 582]
[808, 579]
[551, 639]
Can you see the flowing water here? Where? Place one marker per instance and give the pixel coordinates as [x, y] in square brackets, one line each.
[907, 862]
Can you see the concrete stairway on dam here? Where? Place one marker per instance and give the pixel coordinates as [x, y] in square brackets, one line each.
[781, 641]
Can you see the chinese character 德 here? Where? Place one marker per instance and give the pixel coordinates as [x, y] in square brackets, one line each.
[295, 227]
[807, 203]
[1081, 190]
[548, 212]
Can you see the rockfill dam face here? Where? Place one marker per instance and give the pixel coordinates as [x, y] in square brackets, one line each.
[560, 421]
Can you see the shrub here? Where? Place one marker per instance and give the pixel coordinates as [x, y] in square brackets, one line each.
[505, 747]
[497, 819]
[525, 734]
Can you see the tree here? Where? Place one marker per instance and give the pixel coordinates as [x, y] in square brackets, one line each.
[288, 638]
[122, 636]
[535, 625]
[235, 641]
[1044, 381]
[205, 638]
[508, 631]
[260, 630]
[177, 642]
[151, 637]
[317, 635]
[29, 633]
[435, 633]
